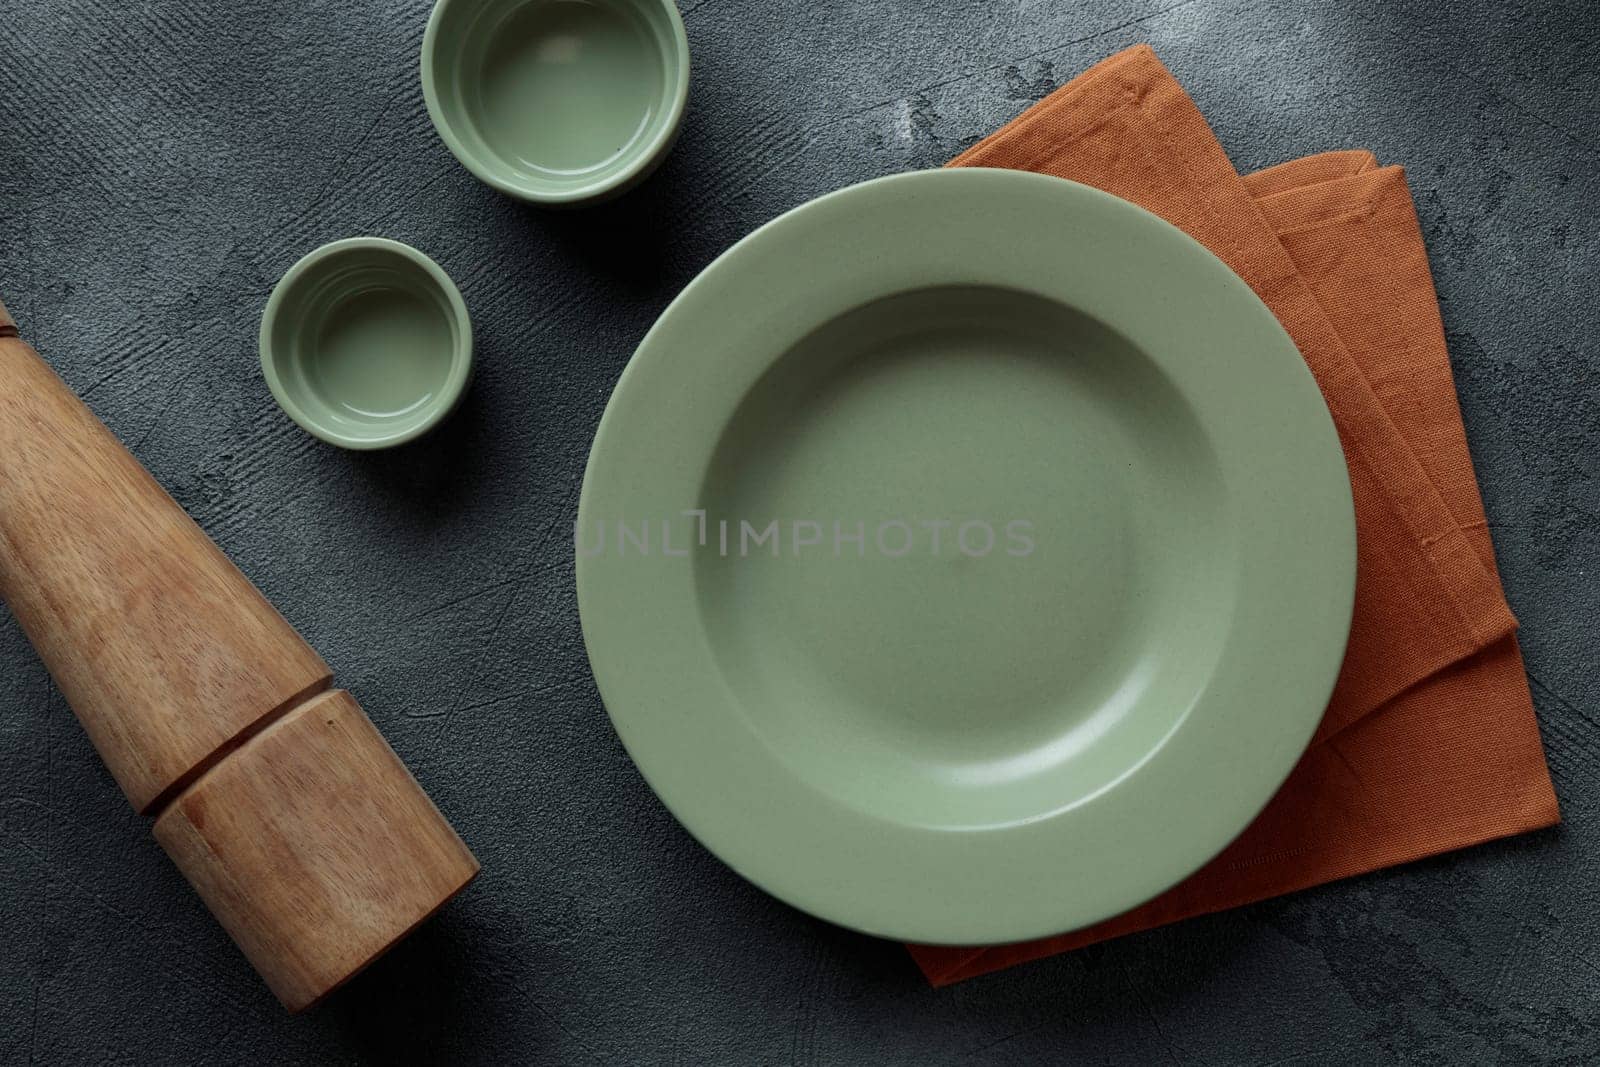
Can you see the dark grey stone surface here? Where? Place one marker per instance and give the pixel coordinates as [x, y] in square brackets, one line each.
[161, 162]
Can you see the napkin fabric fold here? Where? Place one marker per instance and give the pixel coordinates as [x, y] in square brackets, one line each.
[1429, 742]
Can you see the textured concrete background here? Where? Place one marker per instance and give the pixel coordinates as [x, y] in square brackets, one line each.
[161, 162]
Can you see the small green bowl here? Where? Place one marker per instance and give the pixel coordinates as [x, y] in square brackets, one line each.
[557, 101]
[366, 343]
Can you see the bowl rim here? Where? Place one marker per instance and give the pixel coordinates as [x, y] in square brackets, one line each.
[644, 160]
[450, 393]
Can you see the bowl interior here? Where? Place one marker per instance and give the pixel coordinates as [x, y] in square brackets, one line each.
[365, 346]
[555, 99]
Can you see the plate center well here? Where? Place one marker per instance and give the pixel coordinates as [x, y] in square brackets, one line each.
[977, 556]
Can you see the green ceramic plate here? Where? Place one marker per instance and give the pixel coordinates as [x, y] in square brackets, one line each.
[966, 556]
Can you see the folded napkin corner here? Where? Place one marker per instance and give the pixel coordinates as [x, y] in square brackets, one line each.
[1429, 742]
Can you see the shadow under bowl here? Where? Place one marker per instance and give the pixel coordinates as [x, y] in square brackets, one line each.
[557, 102]
[366, 343]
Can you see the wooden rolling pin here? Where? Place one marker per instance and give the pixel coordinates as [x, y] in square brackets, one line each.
[271, 791]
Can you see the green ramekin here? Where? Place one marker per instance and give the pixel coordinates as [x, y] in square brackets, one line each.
[366, 343]
[557, 102]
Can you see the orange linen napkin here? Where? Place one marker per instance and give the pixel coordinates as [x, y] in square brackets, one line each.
[1429, 742]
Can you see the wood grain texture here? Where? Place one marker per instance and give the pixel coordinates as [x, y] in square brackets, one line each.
[278, 799]
[315, 848]
[166, 652]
